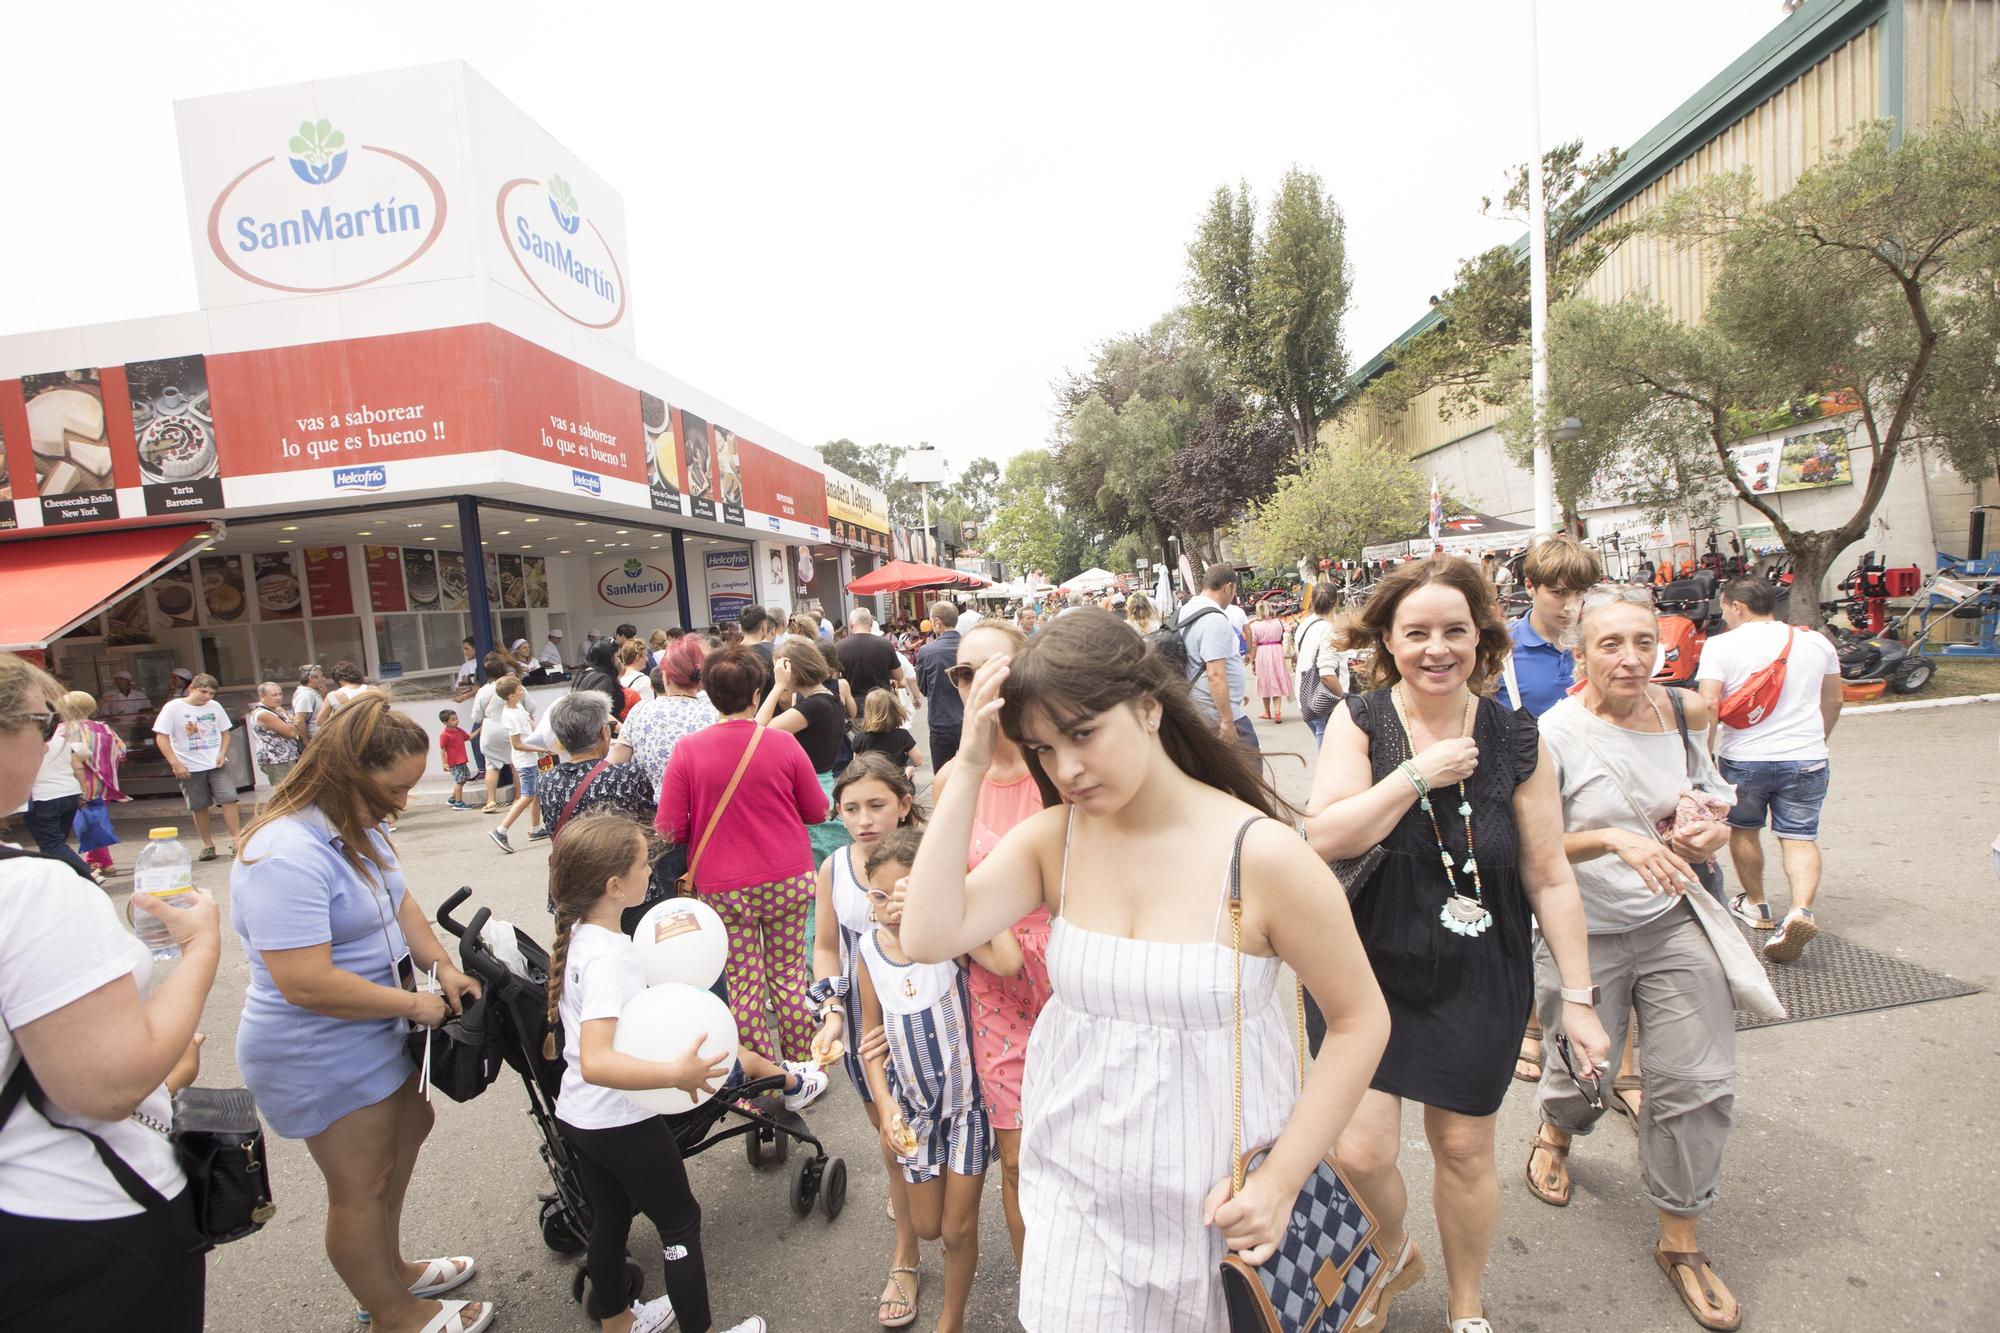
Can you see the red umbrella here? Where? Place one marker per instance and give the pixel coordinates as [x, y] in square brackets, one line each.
[903, 575]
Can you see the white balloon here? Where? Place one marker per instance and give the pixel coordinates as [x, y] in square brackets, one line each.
[660, 1023]
[682, 939]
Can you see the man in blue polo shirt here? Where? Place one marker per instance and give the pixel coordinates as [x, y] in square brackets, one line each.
[1557, 572]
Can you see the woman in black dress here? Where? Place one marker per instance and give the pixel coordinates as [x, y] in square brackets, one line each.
[803, 702]
[1457, 792]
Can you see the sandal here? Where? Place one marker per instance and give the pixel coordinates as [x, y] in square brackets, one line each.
[1528, 1068]
[1549, 1194]
[1625, 1083]
[1697, 1264]
[442, 1275]
[451, 1318]
[903, 1298]
[1408, 1271]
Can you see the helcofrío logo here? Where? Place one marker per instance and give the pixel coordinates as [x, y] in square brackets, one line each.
[367, 477]
[587, 482]
[571, 266]
[332, 219]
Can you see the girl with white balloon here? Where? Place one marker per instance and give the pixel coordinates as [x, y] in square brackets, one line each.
[629, 1046]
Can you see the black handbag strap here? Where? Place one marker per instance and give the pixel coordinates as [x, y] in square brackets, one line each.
[23, 1085]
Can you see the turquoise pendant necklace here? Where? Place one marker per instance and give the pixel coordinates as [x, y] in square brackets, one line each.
[1460, 915]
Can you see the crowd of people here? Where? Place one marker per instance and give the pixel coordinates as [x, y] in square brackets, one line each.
[1506, 873]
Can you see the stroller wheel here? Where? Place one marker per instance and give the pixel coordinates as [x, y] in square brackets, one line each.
[635, 1282]
[754, 1149]
[833, 1188]
[558, 1231]
[805, 1184]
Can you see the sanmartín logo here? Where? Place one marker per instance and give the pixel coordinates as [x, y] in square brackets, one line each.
[333, 217]
[634, 583]
[372, 477]
[570, 264]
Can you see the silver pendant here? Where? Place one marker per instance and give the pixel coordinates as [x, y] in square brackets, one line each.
[1465, 916]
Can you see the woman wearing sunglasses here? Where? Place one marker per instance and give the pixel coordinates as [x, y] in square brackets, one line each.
[1624, 763]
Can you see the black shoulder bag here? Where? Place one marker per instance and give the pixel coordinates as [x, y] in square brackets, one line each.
[217, 1137]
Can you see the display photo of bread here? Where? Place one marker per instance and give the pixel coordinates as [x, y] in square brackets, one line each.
[66, 431]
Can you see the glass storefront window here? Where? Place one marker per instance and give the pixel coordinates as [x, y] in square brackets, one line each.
[225, 655]
[337, 640]
[514, 626]
[400, 641]
[442, 631]
[281, 649]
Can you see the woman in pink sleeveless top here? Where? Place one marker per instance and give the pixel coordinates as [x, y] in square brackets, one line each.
[1004, 1009]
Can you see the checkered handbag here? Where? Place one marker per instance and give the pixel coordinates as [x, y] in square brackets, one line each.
[1326, 1268]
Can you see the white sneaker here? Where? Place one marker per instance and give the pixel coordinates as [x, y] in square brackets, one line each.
[812, 1082]
[1793, 936]
[1755, 915]
[751, 1325]
[652, 1316]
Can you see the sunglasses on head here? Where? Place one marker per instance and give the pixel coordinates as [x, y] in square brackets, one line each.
[48, 721]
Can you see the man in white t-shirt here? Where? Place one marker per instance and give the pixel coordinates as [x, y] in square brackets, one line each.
[193, 735]
[1779, 765]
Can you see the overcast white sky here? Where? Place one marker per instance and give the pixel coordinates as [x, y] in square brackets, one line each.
[892, 223]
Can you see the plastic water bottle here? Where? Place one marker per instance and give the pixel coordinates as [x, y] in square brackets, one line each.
[164, 869]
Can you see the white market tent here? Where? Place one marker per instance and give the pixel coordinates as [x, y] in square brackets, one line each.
[1091, 580]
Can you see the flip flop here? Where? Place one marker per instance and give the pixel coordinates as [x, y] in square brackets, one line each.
[451, 1319]
[1549, 1194]
[1695, 1262]
[442, 1275]
[1622, 1084]
[907, 1299]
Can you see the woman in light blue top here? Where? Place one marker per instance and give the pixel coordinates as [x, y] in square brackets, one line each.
[334, 944]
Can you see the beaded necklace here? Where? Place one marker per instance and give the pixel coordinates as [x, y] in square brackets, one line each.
[1460, 915]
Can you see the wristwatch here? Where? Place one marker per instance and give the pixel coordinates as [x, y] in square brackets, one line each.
[1588, 996]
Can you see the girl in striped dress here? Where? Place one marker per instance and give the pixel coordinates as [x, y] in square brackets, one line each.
[936, 1123]
[873, 798]
[1126, 1153]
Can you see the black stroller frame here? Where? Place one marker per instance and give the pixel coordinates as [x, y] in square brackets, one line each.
[517, 1018]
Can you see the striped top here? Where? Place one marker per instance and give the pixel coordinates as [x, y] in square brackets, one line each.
[1127, 1105]
[926, 1014]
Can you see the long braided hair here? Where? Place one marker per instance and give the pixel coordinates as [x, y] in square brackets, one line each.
[593, 848]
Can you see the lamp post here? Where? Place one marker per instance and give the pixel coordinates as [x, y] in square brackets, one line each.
[1538, 285]
[924, 467]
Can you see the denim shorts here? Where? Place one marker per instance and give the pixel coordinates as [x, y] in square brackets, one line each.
[1787, 792]
[527, 779]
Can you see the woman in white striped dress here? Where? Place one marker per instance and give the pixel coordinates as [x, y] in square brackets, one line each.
[931, 1114]
[1125, 1154]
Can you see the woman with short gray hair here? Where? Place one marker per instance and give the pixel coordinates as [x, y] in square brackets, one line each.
[588, 779]
[1640, 824]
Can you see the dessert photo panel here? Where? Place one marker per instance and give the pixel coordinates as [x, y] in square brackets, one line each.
[72, 450]
[179, 466]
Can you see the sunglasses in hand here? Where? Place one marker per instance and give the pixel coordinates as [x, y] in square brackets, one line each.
[1590, 1085]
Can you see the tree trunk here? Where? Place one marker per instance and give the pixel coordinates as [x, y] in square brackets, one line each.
[1812, 556]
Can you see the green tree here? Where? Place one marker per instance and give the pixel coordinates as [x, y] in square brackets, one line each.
[1230, 458]
[977, 488]
[1033, 530]
[1269, 306]
[1340, 500]
[1877, 274]
[1485, 314]
[1119, 426]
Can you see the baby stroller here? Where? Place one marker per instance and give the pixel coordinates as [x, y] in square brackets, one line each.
[514, 1009]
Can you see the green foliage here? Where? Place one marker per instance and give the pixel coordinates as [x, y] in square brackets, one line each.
[1033, 530]
[1340, 500]
[1877, 273]
[1485, 313]
[1120, 425]
[1269, 306]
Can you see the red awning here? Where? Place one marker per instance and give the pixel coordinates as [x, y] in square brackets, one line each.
[904, 575]
[50, 585]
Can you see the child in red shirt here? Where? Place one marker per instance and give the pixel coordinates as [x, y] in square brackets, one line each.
[451, 741]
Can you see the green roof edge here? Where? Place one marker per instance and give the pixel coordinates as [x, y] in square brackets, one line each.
[1798, 42]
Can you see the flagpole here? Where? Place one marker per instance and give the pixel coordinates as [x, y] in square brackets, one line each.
[1538, 287]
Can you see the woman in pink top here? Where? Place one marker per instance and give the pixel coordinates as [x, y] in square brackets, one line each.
[1004, 1009]
[1267, 642]
[756, 870]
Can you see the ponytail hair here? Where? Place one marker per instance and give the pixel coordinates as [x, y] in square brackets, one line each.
[1088, 662]
[592, 849]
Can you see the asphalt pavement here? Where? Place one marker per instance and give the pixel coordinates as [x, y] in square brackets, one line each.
[1861, 1190]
